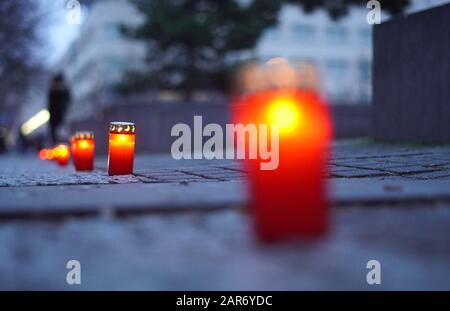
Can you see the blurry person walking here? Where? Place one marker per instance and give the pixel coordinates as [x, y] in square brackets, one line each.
[58, 101]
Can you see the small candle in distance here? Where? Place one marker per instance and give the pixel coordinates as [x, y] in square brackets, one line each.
[83, 147]
[62, 154]
[121, 148]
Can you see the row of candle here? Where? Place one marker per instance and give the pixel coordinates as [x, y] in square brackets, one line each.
[289, 201]
[59, 153]
[82, 149]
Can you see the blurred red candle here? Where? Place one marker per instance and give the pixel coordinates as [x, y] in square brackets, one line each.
[82, 147]
[50, 154]
[61, 154]
[43, 154]
[47, 154]
[291, 200]
[121, 148]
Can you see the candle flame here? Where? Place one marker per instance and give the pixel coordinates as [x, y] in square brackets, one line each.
[83, 144]
[285, 114]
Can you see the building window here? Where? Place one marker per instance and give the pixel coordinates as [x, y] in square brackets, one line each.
[304, 33]
[336, 34]
[336, 68]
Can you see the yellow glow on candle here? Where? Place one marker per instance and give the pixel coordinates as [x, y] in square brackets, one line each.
[285, 114]
[61, 150]
[83, 144]
[121, 139]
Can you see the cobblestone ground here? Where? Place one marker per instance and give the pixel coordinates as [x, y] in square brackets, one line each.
[183, 225]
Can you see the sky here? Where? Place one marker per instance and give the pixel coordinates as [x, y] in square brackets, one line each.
[58, 32]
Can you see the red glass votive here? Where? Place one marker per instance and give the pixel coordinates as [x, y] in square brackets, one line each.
[121, 148]
[61, 154]
[83, 147]
[290, 201]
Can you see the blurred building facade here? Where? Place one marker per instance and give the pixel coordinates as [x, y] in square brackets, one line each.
[340, 50]
[97, 59]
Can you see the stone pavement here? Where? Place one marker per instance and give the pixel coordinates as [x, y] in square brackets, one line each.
[183, 225]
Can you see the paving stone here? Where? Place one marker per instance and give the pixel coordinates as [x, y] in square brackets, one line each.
[433, 175]
[420, 161]
[414, 169]
[173, 177]
[217, 174]
[356, 173]
[56, 178]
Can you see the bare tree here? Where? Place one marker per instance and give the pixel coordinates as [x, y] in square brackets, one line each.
[19, 21]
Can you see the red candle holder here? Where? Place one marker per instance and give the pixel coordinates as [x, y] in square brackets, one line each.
[121, 148]
[61, 154]
[291, 200]
[83, 147]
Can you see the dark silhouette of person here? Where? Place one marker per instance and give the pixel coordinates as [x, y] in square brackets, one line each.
[58, 102]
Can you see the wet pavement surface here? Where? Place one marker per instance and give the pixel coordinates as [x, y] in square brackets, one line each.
[183, 225]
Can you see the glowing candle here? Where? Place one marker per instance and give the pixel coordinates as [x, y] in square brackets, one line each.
[121, 148]
[43, 154]
[46, 154]
[291, 200]
[61, 154]
[83, 146]
[49, 154]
